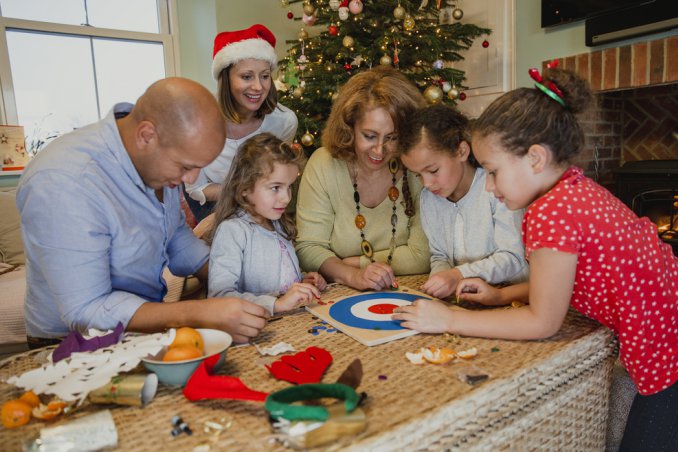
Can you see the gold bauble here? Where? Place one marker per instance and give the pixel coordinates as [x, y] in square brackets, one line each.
[334, 4]
[284, 2]
[308, 9]
[385, 60]
[457, 13]
[433, 94]
[307, 139]
[453, 93]
[348, 41]
[298, 92]
[303, 34]
[408, 23]
[399, 12]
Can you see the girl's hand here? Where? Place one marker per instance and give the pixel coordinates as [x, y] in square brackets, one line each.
[425, 316]
[478, 291]
[315, 279]
[375, 276]
[442, 284]
[300, 294]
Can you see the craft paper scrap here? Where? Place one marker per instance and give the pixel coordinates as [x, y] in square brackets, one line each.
[71, 379]
[277, 349]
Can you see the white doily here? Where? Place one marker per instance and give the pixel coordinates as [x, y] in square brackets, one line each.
[71, 379]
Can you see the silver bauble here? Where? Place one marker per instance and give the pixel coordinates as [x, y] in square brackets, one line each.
[385, 60]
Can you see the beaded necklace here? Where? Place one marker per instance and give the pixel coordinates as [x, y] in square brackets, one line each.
[360, 222]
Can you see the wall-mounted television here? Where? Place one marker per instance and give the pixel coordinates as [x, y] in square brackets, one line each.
[558, 12]
[612, 20]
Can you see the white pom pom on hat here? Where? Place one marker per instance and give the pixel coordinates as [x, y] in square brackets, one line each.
[230, 47]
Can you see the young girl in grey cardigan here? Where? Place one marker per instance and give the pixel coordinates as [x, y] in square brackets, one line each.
[470, 232]
[252, 255]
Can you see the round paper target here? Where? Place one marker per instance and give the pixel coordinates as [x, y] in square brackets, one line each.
[372, 311]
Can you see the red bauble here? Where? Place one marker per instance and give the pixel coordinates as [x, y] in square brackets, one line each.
[290, 15]
[486, 44]
[347, 66]
[333, 30]
[462, 96]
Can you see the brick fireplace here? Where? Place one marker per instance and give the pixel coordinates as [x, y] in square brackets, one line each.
[636, 117]
[631, 142]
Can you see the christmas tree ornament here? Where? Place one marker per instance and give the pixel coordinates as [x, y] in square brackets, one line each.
[356, 7]
[334, 4]
[348, 41]
[290, 15]
[307, 139]
[333, 30]
[302, 60]
[399, 12]
[433, 94]
[357, 61]
[343, 10]
[453, 94]
[347, 66]
[284, 3]
[303, 34]
[408, 23]
[486, 44]
[309, 20]
[446, 87]
[385, 60]
[298, 92]
[457, 13]
[462, 96]
[308, 8]
[438, 64]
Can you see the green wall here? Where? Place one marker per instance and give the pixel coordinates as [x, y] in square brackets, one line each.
[535, 44]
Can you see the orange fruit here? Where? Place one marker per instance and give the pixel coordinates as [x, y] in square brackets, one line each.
[182, 353]
[15, 413]
[188, 336]
[30, 398]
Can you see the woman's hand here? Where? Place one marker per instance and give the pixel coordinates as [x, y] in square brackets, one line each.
[425, 316]
[352, 261]
[300, 294]
[442, 284]
[375, 276]
[478, 291]
[315, 279]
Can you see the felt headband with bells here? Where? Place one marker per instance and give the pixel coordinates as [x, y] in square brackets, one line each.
[230, 47]
[552, 90]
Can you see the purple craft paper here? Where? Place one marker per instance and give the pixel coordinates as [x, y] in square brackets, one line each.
[75, 342]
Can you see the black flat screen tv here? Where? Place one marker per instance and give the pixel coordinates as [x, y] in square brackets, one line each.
[558, 12]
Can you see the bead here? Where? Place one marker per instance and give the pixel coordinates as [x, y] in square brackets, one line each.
[394, 220]
[360, 221]
[367, 248]
[356, 196]
[393, 166]
[393, 193]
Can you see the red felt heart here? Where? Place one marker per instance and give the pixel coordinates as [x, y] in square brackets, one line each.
[204, 385]
[307, 366]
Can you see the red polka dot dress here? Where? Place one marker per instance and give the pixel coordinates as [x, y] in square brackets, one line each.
[627, 278]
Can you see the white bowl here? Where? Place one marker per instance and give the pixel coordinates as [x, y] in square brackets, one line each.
[177, 373]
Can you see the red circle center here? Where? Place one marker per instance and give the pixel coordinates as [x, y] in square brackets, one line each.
[382, 308]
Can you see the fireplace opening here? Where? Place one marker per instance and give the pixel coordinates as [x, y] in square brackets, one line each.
[650, 189]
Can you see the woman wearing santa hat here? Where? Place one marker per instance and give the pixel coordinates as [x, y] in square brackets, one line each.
[243, 63]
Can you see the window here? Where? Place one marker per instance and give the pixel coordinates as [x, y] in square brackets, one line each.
[65, 63]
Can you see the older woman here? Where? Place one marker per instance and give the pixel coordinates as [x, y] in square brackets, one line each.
[357, 209]
[242, 65]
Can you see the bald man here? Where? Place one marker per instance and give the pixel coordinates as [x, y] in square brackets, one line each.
[101, 219]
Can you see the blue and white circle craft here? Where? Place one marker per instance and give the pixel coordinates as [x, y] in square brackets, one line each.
[372, 311]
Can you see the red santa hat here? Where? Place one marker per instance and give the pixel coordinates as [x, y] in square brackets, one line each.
[256, 42]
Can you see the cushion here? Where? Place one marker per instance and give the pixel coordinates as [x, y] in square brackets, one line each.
[11, 246]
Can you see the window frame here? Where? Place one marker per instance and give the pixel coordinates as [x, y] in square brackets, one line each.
[167, 37]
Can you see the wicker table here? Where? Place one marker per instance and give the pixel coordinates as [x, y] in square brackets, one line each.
[551, 394]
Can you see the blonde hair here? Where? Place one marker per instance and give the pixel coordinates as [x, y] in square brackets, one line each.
[255, 159]
[382, 87]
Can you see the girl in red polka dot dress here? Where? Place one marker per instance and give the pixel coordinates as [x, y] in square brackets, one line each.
[584, 247]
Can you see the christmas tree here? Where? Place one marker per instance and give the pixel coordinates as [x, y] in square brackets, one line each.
[339, 38]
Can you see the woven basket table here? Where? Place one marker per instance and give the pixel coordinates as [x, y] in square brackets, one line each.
[550, 394]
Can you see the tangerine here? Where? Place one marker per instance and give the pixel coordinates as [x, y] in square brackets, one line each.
[49, 411]
[30, 398]
[182, 353]
[15, 413]
[188, 336]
